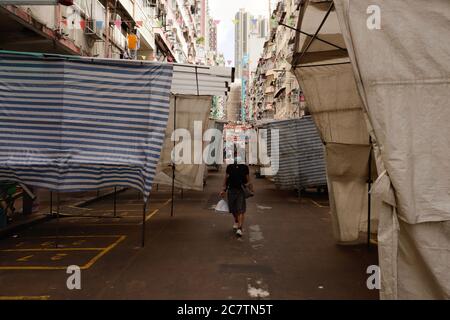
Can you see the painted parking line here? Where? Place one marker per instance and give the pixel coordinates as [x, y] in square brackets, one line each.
[101, 254]
[318, 204]
[148, 217]
[23, 256]
[157, 210]
[24, 297]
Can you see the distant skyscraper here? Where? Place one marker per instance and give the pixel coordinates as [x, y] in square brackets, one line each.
[241, 40]
[212, 36]
[247, 27]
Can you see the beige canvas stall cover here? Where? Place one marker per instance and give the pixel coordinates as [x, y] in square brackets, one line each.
[403, 75]
[326, 77]
[189, 110]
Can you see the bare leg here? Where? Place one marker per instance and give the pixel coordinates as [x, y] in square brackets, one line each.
[241, 220]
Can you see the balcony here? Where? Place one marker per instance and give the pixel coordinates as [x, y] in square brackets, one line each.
[139, 10]
[118, 38]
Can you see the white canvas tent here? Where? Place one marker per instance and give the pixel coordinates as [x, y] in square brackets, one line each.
[406, 92]
[322, 67]
[192, 90]
[188, 110]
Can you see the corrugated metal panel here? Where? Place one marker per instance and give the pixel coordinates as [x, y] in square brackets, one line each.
[212, 81]
[301, 159]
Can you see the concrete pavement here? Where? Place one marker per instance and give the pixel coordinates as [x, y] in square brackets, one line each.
[288, 251]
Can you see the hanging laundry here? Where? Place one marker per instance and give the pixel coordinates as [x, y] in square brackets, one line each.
[132, 42]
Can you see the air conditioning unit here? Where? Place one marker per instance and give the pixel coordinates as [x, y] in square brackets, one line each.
[91, 29]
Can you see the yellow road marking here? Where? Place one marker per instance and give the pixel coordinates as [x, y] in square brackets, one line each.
[58, 257]
[52, 249]
[91, 262]
[25, 259]
[101, 254]
[111, 224]
[78, 243]
[75, 237]
[24, 297]
[157, 210]
[317, 204]
[151, 215]
[129, 224]
[35, 268]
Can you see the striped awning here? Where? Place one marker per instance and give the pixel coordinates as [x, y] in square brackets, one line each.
[82, 124]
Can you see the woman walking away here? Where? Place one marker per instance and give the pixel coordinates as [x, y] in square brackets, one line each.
[237, 176]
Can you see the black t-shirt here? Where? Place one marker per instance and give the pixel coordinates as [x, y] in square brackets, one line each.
[237, 175]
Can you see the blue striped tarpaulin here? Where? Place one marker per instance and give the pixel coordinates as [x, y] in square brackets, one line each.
[301, 160]
[82, 124]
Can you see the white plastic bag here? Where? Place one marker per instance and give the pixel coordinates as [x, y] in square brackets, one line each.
[222, 207]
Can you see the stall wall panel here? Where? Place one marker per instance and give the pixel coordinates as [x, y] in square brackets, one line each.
[406, 93]
[81, 124]
[189, 109]
[336, 108]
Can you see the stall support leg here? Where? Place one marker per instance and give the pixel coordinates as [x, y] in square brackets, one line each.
[173, 164]
[57, 219]
[173, 190]
[144, 218]
[51, 203]
[115, 201]
[369, 198]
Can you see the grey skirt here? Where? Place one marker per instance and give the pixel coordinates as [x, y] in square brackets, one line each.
[236, 201]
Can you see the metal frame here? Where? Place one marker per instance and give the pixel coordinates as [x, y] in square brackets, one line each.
[216, 82]
[311, 35]
[317, 32]
[173, 162]
[369, 197]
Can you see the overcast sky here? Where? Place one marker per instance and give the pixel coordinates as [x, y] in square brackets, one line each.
[225, 10]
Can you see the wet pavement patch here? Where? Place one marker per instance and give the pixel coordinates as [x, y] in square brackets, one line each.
[245, 269]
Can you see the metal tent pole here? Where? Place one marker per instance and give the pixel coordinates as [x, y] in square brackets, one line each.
[369, 209]
[144, 218]
[57, 219]
[317, 32]
[173, 160]
[51, 203]
[115, 201]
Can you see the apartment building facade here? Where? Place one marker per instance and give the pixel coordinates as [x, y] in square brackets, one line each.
[164, 30]
[274, 92]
